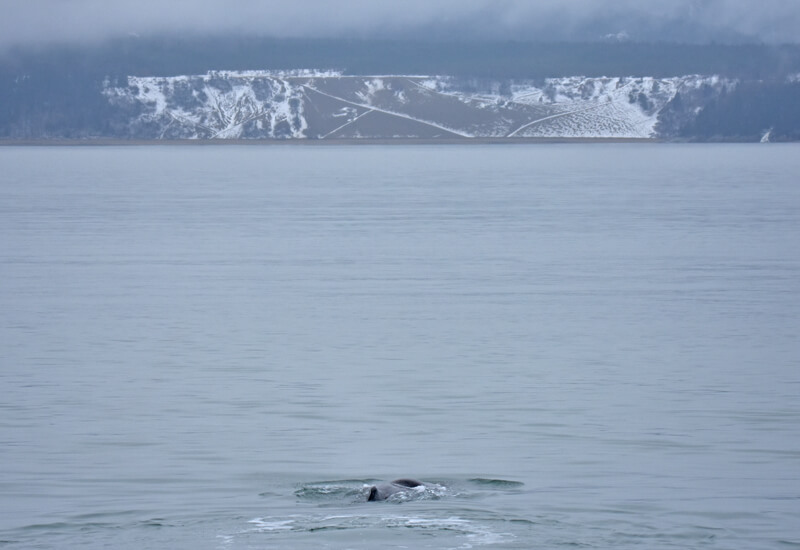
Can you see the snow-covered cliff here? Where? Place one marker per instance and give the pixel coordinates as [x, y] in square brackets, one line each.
[327, 104]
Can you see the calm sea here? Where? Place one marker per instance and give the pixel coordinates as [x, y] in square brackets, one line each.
[574, 345]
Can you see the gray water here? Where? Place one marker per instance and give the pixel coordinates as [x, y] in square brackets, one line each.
[575, 345]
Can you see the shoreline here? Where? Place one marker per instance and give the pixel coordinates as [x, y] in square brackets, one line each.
[100, 142]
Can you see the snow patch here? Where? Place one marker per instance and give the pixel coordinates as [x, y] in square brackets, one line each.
[219, 104]
[281, 104]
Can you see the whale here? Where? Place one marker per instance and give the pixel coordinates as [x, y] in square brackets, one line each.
[383, 491]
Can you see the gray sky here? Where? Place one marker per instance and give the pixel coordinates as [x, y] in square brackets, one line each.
[36, 21]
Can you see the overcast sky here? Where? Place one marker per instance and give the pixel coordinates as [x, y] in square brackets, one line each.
[36, 21]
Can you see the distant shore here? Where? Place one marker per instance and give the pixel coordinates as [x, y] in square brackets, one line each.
[314, 142]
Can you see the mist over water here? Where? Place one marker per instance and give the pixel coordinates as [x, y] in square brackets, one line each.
[771, 21]
[224, 347]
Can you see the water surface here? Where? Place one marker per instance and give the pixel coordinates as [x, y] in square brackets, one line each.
[223, 347]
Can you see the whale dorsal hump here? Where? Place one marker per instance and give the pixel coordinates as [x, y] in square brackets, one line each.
[405, 482]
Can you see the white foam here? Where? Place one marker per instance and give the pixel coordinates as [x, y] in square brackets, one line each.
[269, 524]
[476, 535]
[468, 533]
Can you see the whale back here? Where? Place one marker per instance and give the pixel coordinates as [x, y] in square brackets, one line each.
[385, 490]
[406, 482]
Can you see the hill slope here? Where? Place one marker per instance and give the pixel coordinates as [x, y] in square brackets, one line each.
[322, 105]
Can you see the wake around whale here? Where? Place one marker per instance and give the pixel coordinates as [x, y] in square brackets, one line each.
[401, 490]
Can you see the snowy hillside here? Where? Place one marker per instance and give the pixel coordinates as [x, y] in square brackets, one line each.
[327, 104]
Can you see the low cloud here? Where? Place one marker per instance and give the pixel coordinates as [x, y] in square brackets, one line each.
[40, 21]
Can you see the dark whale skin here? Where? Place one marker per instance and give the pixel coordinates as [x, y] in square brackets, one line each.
[385, 490]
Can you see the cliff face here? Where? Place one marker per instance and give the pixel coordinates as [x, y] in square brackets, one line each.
[322, 105]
